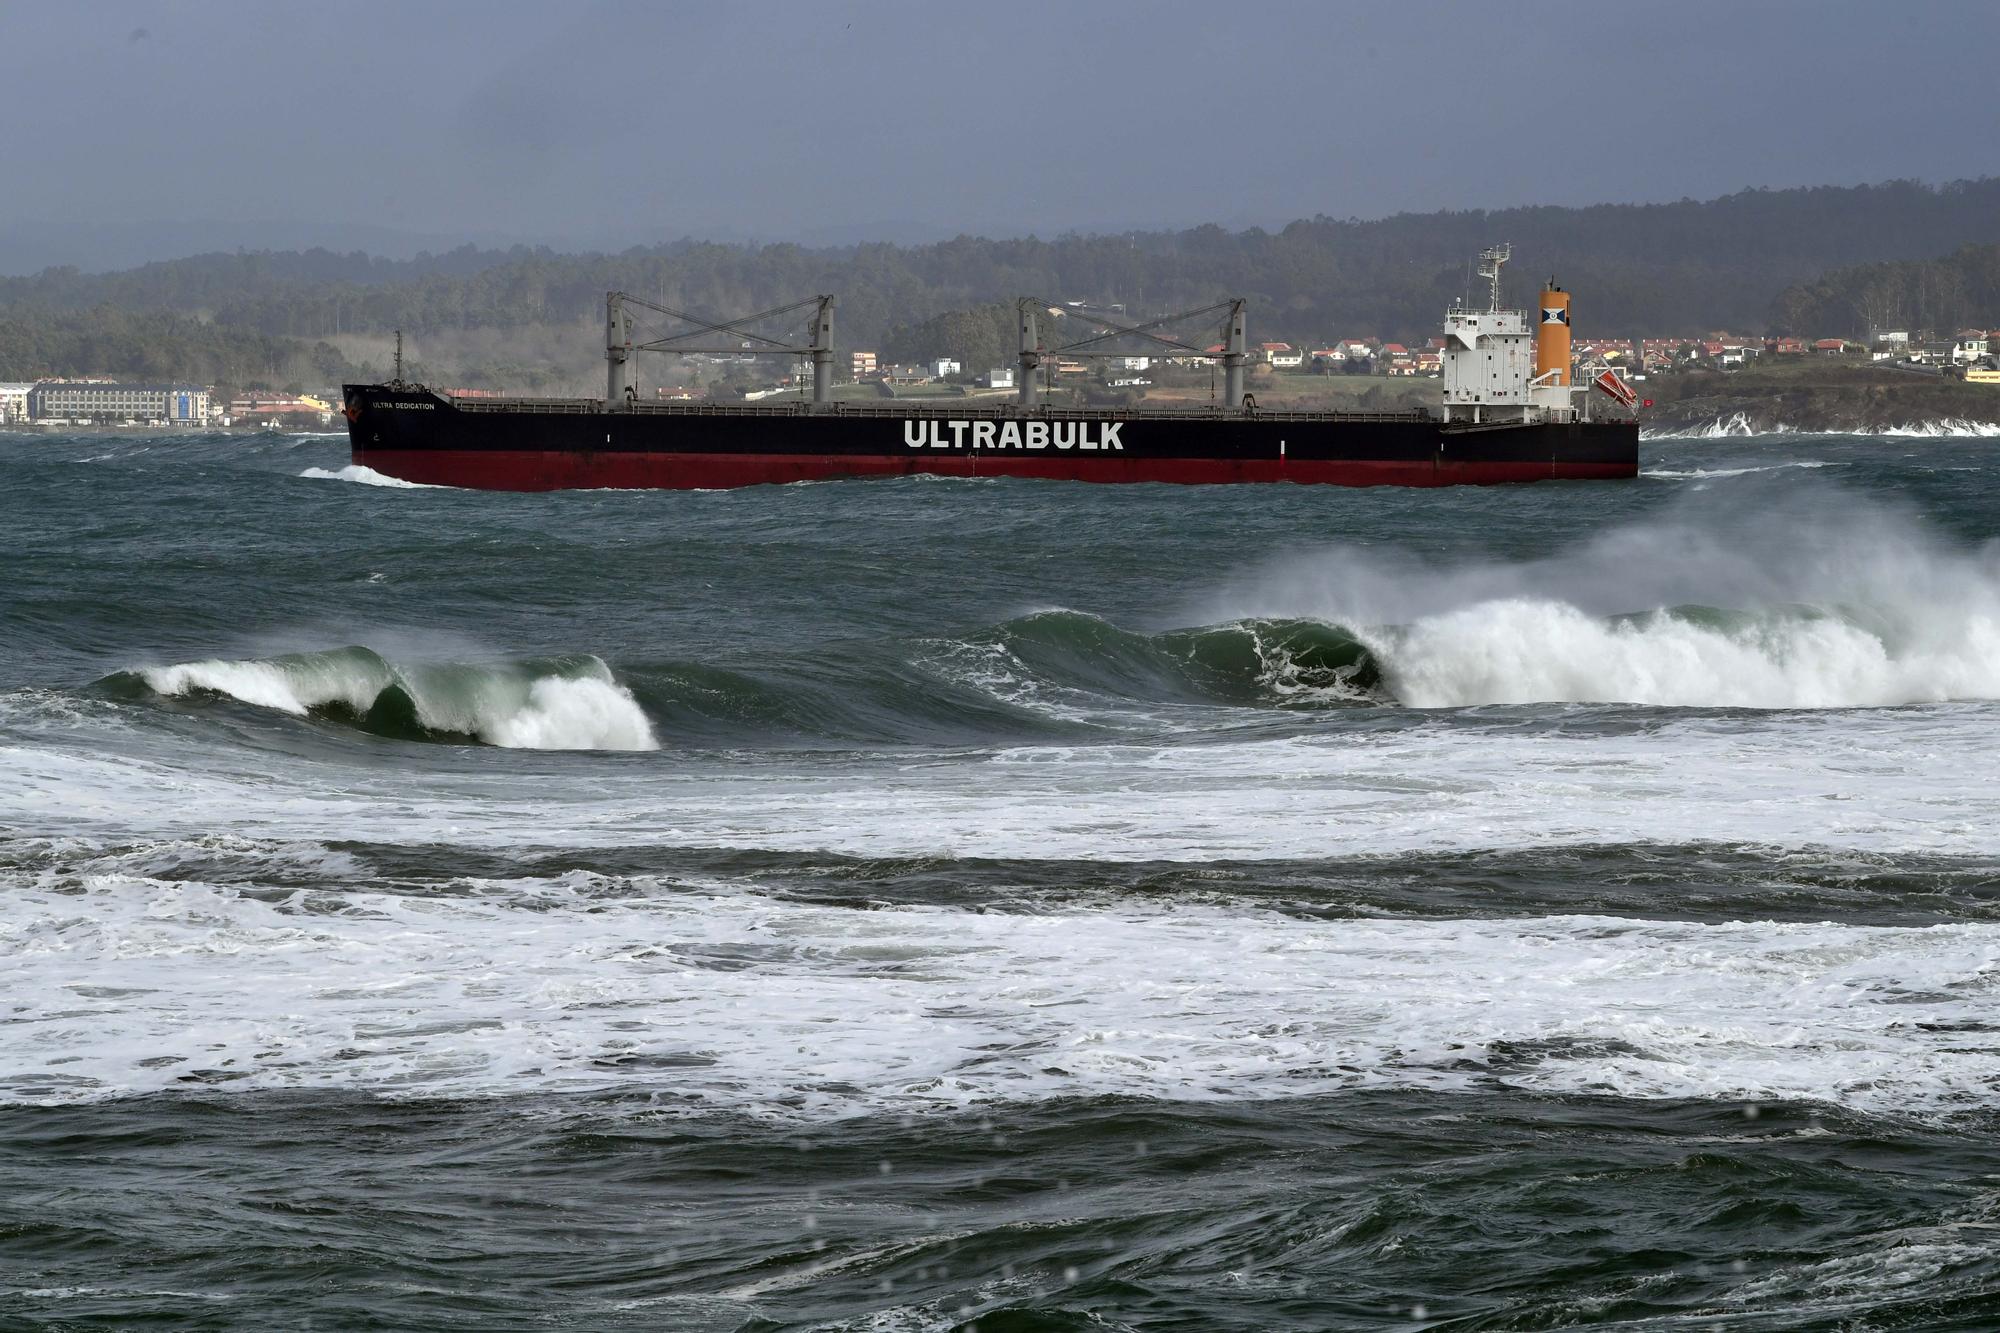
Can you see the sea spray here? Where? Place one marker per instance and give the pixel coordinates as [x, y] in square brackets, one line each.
[1786, 594]
[1517, 651]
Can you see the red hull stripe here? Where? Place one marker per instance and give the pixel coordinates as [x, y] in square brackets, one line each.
[555, 470]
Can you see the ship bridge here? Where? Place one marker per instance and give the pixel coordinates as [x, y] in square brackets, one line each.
[1500, 369]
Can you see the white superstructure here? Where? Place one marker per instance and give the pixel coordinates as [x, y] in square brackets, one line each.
[1489, 362]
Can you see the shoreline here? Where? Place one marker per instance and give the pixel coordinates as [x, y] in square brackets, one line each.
[151, 432]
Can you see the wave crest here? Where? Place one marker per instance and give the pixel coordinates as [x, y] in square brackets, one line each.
[1501, 651]
[1779, 593]
[1528, 651]
[563, 703]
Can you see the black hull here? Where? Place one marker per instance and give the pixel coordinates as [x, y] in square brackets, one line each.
[529, 445]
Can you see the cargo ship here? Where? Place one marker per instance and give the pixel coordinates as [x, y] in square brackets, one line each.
[1510, 412]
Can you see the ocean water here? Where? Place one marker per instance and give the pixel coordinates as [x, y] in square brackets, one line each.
[942, 904]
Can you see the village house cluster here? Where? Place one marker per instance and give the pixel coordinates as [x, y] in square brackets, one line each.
[1374, 355]
[110, 402]
[1724, 351]
[1719, 351]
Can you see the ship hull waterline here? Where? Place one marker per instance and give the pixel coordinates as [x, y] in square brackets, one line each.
[417, 437]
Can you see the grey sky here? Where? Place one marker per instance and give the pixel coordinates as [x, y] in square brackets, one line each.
[608, 123]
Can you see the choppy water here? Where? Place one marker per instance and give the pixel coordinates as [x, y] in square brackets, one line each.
[928, 904]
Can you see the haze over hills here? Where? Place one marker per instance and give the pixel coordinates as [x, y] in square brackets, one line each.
[1669, 269]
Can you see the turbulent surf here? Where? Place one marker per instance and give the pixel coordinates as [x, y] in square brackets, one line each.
[1000, 904]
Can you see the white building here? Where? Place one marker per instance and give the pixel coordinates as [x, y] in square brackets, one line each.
[108, 403]
[944, 366]
[14, 403]
[999, 379]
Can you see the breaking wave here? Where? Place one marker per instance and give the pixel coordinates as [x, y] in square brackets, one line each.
[1723, 601]
[1948, 426]
[564, 703]
[1739, 425]
[1722, 428]
[1537, 651]
[1782, 596]
[1513, 650]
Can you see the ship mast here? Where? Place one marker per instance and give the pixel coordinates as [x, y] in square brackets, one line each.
[1491, 259]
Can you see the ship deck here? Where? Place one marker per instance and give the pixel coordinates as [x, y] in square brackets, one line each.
[960, 411]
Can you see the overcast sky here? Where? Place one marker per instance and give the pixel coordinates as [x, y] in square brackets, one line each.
[605, 122]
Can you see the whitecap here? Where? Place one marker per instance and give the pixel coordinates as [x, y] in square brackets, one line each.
[566, 704]
[366, 476]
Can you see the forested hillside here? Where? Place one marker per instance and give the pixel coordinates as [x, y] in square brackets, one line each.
[1945, 294]
[1657, 269]
[159, 346]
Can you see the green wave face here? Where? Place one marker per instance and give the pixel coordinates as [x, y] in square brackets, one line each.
[1063, 673]
[556, 703]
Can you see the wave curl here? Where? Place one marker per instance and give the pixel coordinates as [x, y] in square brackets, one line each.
[562, 703]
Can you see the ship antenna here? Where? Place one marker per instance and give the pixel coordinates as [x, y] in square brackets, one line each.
[1490, 261]
[399, 356]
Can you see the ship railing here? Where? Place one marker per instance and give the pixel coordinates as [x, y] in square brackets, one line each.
[913, 411]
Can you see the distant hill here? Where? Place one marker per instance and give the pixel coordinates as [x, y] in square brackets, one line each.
[1661, 269]
[1961, 289]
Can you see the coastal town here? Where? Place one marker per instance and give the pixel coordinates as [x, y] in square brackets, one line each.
[1964, 352]
[60, 403]
[1970, 354]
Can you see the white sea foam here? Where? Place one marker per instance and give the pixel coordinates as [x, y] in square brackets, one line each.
[580, 707]
[1745, 602]
[1526, 651]
[1705, 474]
[366, 476]
[1955, 427]
[561, 713]
[723, 999]
[1890, 781]
[1739, 425]
[1733, 426]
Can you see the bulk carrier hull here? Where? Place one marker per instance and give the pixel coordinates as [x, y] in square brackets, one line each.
[560, 444]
